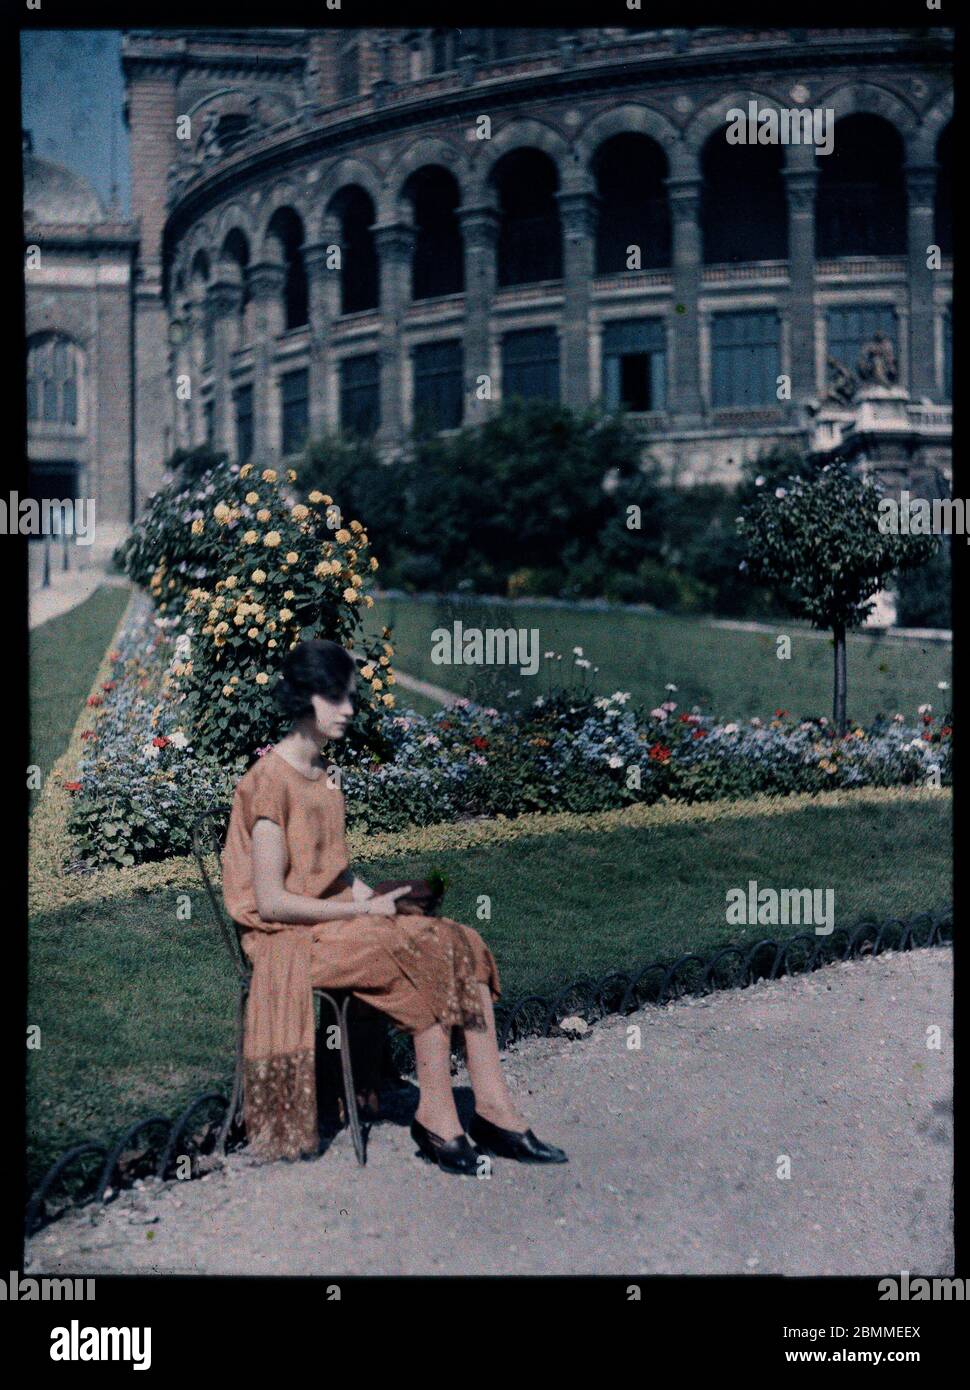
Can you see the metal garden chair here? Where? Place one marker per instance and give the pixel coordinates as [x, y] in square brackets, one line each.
[207, 840]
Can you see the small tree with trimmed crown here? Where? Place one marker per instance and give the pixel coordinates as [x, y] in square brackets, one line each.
[818, 540]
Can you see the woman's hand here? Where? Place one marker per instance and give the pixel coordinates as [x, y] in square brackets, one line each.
[360, 890]
[385, 904]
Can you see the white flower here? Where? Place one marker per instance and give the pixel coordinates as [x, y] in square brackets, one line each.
[620, 696]
[540, 700]
[898, 719]
[150, 751]
[581, 661]
[759, 481]
[670, 687]
[548, 655]
[925, 709]
[602, 702]
[577, 651]
[781, 492]
[178, 739]
[942, 685]
[730, 729]
[659, 713]
[615, 760]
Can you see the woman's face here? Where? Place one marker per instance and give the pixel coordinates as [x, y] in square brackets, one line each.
[331, 717]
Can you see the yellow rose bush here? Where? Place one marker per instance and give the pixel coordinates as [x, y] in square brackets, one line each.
[248, 569]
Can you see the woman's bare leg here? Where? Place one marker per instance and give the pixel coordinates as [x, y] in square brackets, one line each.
[436, 1107]
[492, 1099]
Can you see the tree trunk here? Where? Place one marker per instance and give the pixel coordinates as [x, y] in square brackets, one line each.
[838, 703]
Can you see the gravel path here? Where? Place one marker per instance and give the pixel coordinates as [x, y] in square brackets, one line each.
[674, 1154]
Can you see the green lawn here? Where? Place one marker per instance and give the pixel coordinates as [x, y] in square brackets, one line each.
[64, 657]
[731, 674]
[136, 1007]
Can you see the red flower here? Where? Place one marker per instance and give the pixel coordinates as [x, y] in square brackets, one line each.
[71, 786]
[95, 700]
[699, 733]
[160, 742]
[88, 733]
[927, 719]
[114, 656]
[684, 718]
[109, 685]
[659, 753]
[927, 738]
[445, 724]
[946, 730]
[780, 713]
[479, 742]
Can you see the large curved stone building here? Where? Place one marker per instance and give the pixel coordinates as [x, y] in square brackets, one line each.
[361, 229]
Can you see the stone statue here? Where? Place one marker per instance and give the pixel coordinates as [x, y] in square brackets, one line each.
[209, 146]
[841, 384]
[877, 361]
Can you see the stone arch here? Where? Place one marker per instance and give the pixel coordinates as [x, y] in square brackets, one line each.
[869, 99]
[235, 217]
[526, 133]
[922, 148]
[339, 175]
[284, 194]
[432, 150]
[713, 116]
[632, 119]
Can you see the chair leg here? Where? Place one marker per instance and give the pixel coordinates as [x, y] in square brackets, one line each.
[347, 1074]
[235, 1101]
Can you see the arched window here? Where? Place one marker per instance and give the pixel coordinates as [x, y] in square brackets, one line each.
[359, 281]
[287, 228]
[530, 235]
[744, 212]
[236, 248]
[861, 205]
[634, 209]
[438, 266]
[54, 380]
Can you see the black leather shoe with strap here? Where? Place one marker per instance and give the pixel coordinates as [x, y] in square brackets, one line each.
[522, 1145]
[451, 1155]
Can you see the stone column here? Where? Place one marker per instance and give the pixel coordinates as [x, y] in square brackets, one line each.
[479, 227]
[921, 234]
[223, 304]
[395, 249]
[801, 179]
[323, 283]
[578, 215]
[684, 396]
[267, 279]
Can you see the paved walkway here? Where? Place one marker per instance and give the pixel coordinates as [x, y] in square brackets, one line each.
[675, 1155]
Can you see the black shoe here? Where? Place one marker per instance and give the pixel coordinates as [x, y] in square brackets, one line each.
[451, 1155]
[510, 1143]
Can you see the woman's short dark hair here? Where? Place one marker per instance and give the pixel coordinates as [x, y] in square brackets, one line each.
[313, 668]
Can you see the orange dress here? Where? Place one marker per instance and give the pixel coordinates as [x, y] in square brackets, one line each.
[418, 970]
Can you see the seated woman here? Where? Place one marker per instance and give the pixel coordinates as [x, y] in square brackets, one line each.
[308, 923]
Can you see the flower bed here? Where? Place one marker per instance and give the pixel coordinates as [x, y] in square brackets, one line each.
[141, 781]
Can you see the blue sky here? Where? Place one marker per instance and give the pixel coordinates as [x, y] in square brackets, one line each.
[71, 101]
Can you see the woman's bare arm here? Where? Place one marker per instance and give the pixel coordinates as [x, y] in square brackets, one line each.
[275, 904]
